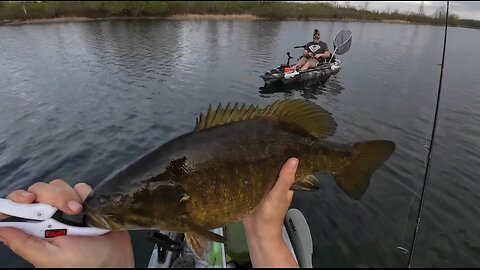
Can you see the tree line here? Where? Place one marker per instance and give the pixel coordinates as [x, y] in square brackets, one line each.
[274, 10]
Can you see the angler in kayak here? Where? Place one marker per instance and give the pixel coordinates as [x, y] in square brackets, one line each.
[316, 51]
[317, 63]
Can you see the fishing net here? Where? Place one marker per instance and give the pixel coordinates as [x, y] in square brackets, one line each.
[343, 41]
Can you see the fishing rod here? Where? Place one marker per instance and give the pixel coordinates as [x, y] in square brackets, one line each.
[430, 147]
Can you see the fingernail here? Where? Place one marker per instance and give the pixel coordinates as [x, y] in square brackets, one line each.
[74, 206]
[293, 164]
[26, 194]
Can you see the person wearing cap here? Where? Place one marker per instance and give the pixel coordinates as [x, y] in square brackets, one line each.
[316, 51]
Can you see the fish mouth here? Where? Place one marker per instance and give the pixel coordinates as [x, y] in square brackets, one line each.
[95, 220]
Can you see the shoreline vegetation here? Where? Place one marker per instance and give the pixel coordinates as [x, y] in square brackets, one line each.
[189, 17]
[33, 12]
[182, 17]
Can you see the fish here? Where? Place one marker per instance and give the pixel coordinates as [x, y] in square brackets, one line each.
[219, 172]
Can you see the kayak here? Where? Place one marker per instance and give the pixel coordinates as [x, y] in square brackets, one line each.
[170, 249]
[285, 74]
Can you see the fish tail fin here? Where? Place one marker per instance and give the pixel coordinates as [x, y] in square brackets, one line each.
[364, 159]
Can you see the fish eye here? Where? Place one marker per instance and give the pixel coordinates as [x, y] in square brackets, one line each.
[102, 199]
[118, 198]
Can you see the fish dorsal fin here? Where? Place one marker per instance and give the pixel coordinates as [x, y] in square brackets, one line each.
[315, 120]
[222, 116]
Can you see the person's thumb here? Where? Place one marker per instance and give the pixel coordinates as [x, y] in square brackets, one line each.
[285, 178]
[31, 248]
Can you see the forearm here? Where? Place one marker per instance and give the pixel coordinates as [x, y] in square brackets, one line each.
[269, 253]
[324, 55]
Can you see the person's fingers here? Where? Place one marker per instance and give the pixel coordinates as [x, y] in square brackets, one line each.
[83, 190]
[31, 248]
[20, 196]
[61, 184]
[61, 196]
[285, 178]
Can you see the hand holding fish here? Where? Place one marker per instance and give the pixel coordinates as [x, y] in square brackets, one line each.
[111, 250]
[263, 227]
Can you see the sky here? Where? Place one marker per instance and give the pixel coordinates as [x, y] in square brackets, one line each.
[464, 9]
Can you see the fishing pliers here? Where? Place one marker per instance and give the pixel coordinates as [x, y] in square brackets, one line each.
[45, 221]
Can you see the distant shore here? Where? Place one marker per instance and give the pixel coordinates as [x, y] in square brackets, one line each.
[49, 20]
[206, 17]
[32, 12]
[186, 17]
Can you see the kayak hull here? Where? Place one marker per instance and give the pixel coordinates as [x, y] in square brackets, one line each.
[319, 74]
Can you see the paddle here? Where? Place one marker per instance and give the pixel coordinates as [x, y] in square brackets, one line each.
[300, 237]
[301, 46]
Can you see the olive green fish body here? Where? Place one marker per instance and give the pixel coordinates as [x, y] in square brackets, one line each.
[216, 174]
[234, 167]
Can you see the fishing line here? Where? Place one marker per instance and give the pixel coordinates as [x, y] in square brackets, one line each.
[405, 226]
[430, 148]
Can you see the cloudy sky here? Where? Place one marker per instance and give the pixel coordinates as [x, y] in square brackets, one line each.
[464, 9]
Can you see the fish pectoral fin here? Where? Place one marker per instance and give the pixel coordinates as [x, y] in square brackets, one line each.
[198, 244]
[202, 231]
[199, 239]
[310, 182]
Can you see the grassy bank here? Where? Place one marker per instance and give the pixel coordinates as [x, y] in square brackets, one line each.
[237, 10]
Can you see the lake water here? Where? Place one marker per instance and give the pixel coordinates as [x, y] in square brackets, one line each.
[78, 100]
